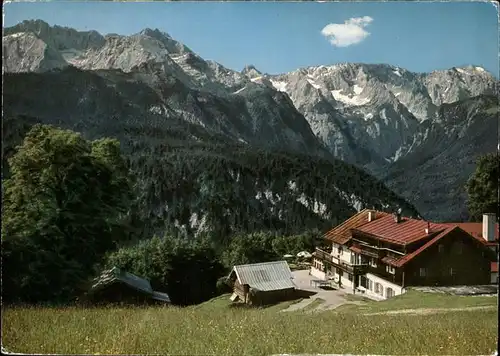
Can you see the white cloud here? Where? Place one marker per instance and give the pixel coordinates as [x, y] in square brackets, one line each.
[352, 31]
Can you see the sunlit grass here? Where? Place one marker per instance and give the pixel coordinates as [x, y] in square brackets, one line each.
[215, 328]
[416, 300]
[314, 304]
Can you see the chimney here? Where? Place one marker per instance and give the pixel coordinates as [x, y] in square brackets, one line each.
[428, 228]
[371, 216]
[397, 218]
[489, 226]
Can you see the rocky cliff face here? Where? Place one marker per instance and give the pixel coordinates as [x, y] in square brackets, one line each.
[378, 117]
[379, 107]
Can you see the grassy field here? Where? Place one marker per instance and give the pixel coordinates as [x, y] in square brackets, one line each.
[215, 328]
[417, 300]
[314, 304]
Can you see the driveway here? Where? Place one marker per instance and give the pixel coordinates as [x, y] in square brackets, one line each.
[332, 298]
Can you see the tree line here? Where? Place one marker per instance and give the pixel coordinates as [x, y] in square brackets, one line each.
[71, 207]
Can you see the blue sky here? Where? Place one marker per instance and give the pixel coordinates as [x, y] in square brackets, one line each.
[278, 37]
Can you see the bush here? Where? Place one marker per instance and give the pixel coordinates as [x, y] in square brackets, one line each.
[63, 209]
[250, 248]
[223, 286]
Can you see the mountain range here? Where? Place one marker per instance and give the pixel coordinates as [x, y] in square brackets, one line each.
[418, 133]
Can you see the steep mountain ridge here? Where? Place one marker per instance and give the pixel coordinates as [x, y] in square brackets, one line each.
[188, 176]
[433, 175]
[378, 117]
[376, 103]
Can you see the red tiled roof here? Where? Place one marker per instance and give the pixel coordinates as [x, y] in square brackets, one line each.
[476, 230]
[401, 261]
[342, 233]
[407, 231]
[402, 233]
[494, 267]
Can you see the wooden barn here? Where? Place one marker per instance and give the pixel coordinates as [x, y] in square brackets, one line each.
[262, 283]
[118, 286]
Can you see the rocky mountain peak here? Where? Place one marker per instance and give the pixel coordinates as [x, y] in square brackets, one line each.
[155, 33]
[251, 72]
[26, 52]
[58, 37]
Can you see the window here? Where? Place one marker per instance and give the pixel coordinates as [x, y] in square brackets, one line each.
[441, 248]
[370, 284]
[423, 272]
[390, 269]
[373, 262]
[389, 292]
[452, 272]
[341, 250]
[349, 276]
[379, 289]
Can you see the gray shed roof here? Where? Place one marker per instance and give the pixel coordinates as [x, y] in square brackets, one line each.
[265, 276]
[161, 296]
[115, 274]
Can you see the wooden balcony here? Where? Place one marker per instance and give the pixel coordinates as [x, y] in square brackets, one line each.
[338, 263]
[323, 255]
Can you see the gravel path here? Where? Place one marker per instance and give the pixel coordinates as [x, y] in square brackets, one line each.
[332, 298]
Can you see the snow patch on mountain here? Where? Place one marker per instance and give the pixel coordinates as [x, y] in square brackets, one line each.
[368, 116]
[357, 89]
[279, 85]
[313, 83]
[240, 90]
[349, 100]
[397, 155]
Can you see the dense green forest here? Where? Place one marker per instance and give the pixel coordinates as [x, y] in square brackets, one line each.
[73, 206]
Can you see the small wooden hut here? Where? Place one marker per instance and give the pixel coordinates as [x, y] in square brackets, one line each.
[117, 286]
[262, 283]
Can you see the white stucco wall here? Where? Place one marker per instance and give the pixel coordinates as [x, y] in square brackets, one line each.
[317, 273]
[398, 290]
[346, 283]
[346, 253]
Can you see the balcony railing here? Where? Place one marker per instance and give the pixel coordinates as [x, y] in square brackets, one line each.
[355, 268]
[323, 255]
